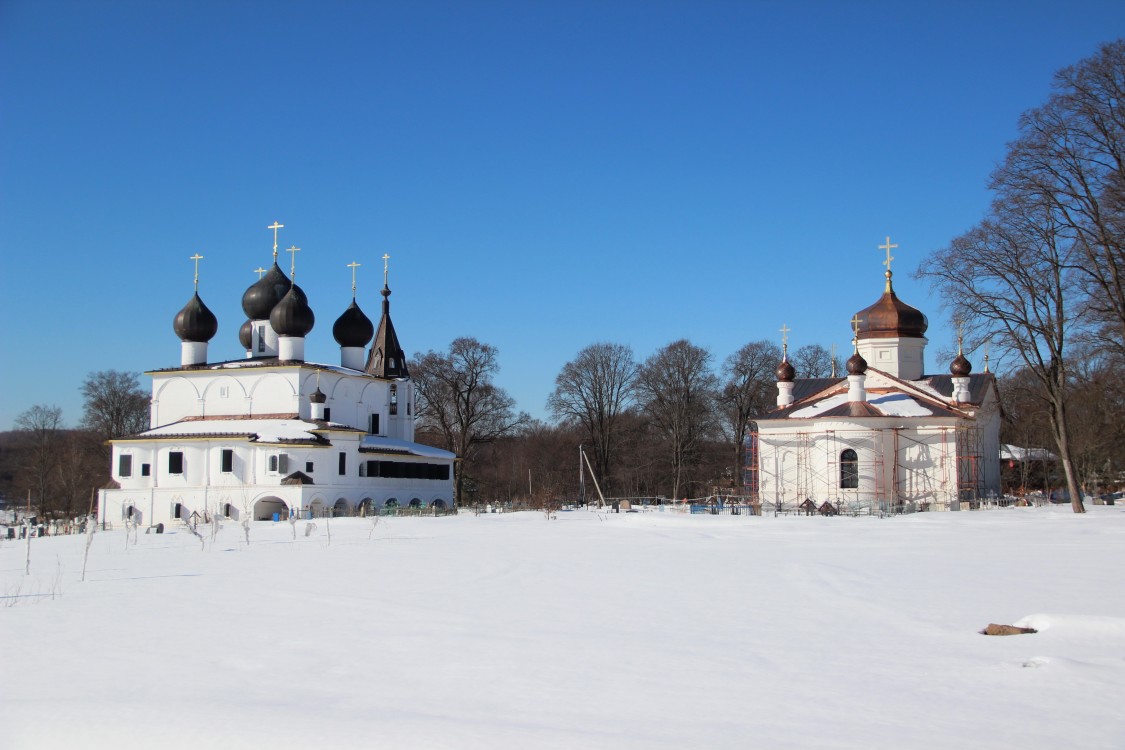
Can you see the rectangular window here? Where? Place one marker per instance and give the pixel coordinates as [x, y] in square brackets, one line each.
[394, 399]
[227, 462]
[146, 470]
[224, 391]
[176, 462]
[308, 467]
[327, 414]
[261, 339]
[278, 463]
[343, 463]
[374, 424]
[124, 465]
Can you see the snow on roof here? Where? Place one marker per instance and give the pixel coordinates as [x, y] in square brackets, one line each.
[264, 430]
[893, 404]
[378, 444]
[899, 405]
[815, 410]
[1016, 453]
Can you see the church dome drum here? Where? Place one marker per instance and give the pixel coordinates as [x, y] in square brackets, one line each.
[264, 294]
[292, 316]
[195, 322]
[353, 328]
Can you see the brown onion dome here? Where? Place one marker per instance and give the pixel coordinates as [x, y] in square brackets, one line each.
[890, 317]
[292, 316]
[246, 335]
[856, 365]
[785, 372]
[264, 294]
[317, 396]
[353, 328]
[960, 367]
[195, 322]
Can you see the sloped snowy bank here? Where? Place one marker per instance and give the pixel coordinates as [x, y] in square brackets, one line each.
[653, 630]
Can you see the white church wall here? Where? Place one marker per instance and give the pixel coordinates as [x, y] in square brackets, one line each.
[223, 395]
[173, 398]
[274, 393]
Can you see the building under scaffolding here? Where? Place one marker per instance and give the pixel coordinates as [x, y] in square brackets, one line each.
[886, 437]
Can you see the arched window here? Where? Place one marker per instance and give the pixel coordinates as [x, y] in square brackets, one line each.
[849, 470]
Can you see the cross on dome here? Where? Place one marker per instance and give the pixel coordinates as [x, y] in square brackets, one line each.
[293, 260]
[259, 270]
[353, 265]
[275, 226]
[385, 267]
[197, 257]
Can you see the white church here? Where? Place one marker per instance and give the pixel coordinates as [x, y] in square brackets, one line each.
[271, 435]
[886, 437]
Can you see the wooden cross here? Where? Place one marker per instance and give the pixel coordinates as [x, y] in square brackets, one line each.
[385, 259]
[353, 265]
[888, 247]
[275, 226]
[197, 257]
[293, 260]
[259, 270]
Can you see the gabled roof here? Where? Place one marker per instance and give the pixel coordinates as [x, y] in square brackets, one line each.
[887, 396]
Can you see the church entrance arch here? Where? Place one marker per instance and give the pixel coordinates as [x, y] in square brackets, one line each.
[265, 509]
[391, 503]
[364, 508]
[316, 509]
[438, 504]
[340, 508]
[416, 502]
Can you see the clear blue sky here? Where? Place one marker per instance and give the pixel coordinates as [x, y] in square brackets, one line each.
[544, 175]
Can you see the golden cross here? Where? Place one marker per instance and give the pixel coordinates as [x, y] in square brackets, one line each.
[784, 330]
[888, 247]
[259, 270]
[197, 257]
[293, 261]
[353, 265]
[855, 321]
[385, 259]
[275, 226]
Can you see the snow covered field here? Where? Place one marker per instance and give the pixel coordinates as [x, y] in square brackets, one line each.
[654, 630]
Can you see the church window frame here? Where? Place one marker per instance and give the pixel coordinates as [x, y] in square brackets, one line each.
[394, 400]
[125, 465]
[176, 463]
[277, 463]
[849, 469]
[226, 461]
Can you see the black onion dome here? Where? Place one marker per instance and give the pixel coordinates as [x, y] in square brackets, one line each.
[960, 367]
[264, 294]
[246, 335]
[856, 365]
[317, 396]
[785, 372]
[353, 328]
[292, 316]
[195, 322]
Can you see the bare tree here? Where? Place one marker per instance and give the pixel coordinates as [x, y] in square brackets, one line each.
[41, 429]
[814, 361]
[459, 402]
[1011, 281]
[677, 390]
[594, 390]
[1069, 161]
[746, 393]
[115, 405]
